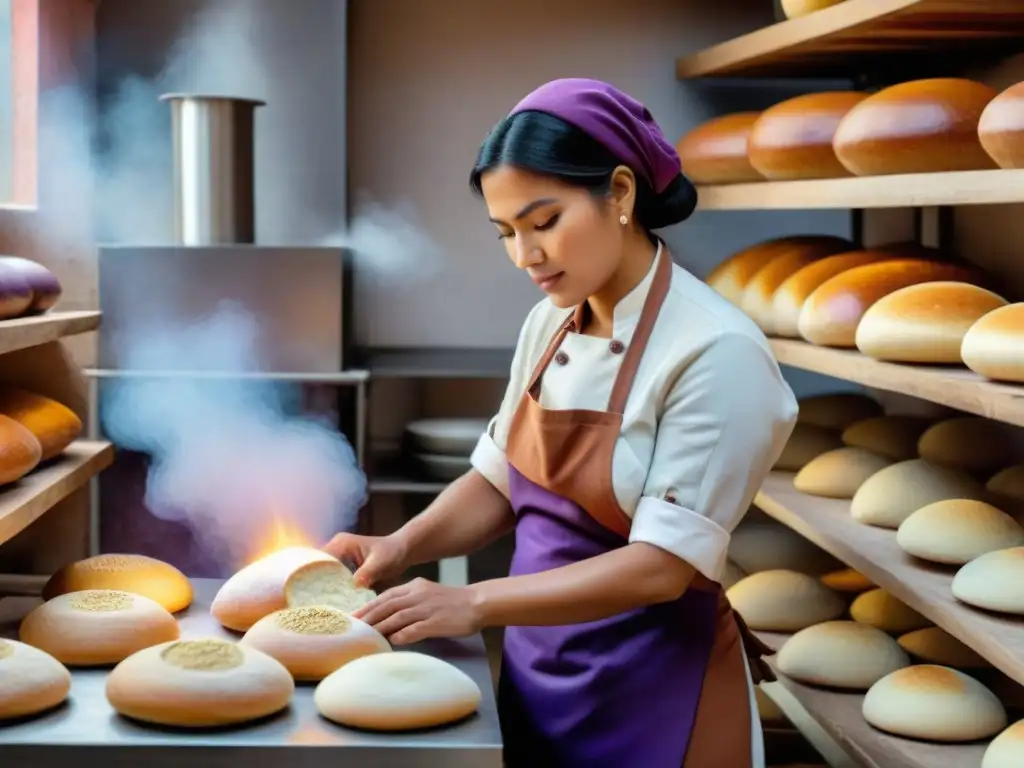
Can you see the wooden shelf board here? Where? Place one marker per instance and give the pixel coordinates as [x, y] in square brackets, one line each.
[24, 502]
[863, 34]
[874, 552]
[25, 332]
[896, 191]
[953, 387]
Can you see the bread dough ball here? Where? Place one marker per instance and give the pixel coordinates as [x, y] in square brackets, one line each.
[877, 608]
[784, 601]
[839, 473]
[955, 531]
[325, 583]
[841, 654]
[993, 581]
[888, 497]
[31, 680]
[1007, 749]
[138, 574]
[847, 580]
[935, 645]
[771, 546]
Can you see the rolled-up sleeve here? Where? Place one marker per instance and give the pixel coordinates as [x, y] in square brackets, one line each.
[724, 424]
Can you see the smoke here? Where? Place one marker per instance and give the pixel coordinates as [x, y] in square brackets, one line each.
[230, 452]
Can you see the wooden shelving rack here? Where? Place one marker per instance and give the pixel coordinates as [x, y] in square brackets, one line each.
[872, 41]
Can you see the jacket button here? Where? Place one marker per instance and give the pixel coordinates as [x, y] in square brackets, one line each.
[616, 347]
[561, 358]
[670, 499]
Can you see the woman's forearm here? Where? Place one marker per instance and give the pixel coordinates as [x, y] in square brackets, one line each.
[467, 515]
[634, 576]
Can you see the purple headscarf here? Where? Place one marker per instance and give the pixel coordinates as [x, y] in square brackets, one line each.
[616, 120]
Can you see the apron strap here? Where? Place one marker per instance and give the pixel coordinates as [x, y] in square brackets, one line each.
[549, 353]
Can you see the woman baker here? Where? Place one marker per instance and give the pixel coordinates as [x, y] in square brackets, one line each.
[642, 413]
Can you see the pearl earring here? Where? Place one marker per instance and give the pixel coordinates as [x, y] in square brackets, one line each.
[623, 220]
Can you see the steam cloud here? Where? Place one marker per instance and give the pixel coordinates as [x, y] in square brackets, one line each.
[230, 452]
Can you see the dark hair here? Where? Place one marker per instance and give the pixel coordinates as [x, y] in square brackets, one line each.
[545, 144]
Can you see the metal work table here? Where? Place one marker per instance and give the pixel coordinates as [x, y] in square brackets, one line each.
[87, 730]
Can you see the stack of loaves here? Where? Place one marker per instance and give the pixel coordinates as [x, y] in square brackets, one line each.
[441, 447]
[293, 609]
[33, 430]
[26, 288]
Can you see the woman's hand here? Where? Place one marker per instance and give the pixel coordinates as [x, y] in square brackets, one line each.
[377, 558]
[421, 609]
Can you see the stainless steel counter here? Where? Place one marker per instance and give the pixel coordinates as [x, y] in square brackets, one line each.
[87, 731]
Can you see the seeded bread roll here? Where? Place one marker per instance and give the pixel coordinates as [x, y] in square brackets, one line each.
[325, 583]
[922, 126]
[992, 581]
[935, 645]
[715, 152]
[1007, 749]
[397, 691]
[258, 588]
[891, 495]
[1006, 488]
[839, 473]
[1001, 130]
[830, 315]
[841, 654]
[968, 444]
[20, 451]
[783, 601]
[314, 641]
[54, 424]
[879, 609]
[793, 139]
[97, 627]
[993, 346]
[199, 683]
[806, 442]
[771, 546]
[956, 531]
[138, 574]
[837, 410]
[31, 680]
[847, 580]
[894, 437]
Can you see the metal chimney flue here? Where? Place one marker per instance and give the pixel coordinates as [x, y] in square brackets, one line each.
[214, 161]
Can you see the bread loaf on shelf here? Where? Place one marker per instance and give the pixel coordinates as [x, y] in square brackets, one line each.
[784, 601]
[45, 287]
[830, 315]
[793, 9]
[54, 424]
[199, 683]
[935, 645]
[397, 691]
[1006, 488]
[771, 546]
[922, 126]
[837, 410]
[994, 346]
[841, 654]
[1007, 749]
[793, 139]
[955, 531]
[879, 609]
[31, 681]
[138, 574]
[891, 495]
[924, 323]
[969, 444]
[895, 437]
[715, 152]
[933, 703]
[1001, 128]
[847, 580]
[992, 581]
[805, 443]
[839, 473]
[20, 451]
[97, 627]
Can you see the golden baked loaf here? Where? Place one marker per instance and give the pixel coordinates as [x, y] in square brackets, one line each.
[922, 126]
[847, 580]
[839, 473]
[397, 691]
[891, 495]
[924, 323]
[97, 627]
[793, 139]
[326, 582]
[793, 9]
[933, 703]
[138, 574]
[1001, 128]
[994, 346]
[805, 443]
[54, 424]
[935, 645]
[955, 531]
[970, 444]
[831, 314]
[784, 601]
[894, 437]
[879, 609]
[20, 451]
[837, 410]
[199, 683]
[992, 581]
[715, 152]
[1007, 749]
[771, 546]
[1006, 488]
[31, 680]
[841, 654]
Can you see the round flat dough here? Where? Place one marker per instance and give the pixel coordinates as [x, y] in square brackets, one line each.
[933, 703]
[955, 531]
[935, 645]
[138, 574]
[839, 473]
[879, 609]
[783, 601]
[847, 580]
[841, 654]
[314, 641]
[397, 691]
[31, 680]
[1007, 749]
[993, 581]
[771, 546]
[97, 627]
[325, 583]
[199, 683]
[888, 497]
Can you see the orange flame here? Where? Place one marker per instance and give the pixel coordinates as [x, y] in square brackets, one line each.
[281, 533]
